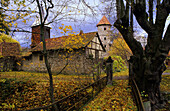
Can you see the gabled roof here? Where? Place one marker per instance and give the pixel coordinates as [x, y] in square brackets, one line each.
[67, 42]
[104, 21]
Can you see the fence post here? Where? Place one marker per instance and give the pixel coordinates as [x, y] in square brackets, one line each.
[109, 70]
[130, 61]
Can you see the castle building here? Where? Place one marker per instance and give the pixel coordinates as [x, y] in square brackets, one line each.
[87, 49]
[104, 31]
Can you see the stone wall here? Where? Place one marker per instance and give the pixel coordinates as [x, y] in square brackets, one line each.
[105, 35]
[8, 64]
[75, 62]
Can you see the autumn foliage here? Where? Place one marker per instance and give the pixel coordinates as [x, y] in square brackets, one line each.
[120, 48]
[113, 98]
[24, 92]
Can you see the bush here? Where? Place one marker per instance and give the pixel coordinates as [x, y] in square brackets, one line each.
[118, 63]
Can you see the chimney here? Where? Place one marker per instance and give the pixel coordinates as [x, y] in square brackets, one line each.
[81, 32]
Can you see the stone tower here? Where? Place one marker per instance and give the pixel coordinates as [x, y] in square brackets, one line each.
[35, 39]
[104, 31]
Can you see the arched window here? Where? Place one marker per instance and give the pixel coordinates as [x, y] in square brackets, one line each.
[104, 28]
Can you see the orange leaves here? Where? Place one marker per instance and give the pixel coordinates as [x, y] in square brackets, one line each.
[66, 29]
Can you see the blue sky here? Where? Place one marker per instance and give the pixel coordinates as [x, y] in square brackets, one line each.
[83, 19]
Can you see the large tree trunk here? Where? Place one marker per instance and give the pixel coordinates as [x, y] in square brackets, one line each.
[148, 79]
[147, 63]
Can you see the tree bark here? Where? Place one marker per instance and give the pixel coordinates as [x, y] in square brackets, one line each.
[147, 63]
[42, 21]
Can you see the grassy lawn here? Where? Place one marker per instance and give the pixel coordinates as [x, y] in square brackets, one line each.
[26, 90]
[41, 77]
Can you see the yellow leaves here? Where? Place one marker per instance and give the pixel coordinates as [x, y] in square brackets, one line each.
[7, 38]
[113, 98]
[24, 21]
[60, 27]
[120, 48]
[65, 30]
[24, 5]
[18, 63]
[165, 83]
[15, 24]
[33, 11]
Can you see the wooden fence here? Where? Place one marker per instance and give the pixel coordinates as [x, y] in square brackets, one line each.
[76, 100]
[135, 89]
[137, 96]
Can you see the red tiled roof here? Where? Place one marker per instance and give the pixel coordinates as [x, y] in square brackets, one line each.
[104, 21]
[66, 42]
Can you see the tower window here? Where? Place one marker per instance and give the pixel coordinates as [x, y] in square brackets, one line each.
[104, 28]
[41, 57]
[104, 38]
[105, 46]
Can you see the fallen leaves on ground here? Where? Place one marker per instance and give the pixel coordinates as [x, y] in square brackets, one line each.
[165, 83]
[24, 90]
[122, 73]
[113, 98]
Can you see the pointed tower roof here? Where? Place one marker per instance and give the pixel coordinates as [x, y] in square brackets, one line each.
[104, 21]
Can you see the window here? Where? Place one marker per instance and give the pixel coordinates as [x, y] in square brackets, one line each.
[41, 57]
[104, 28]
[105, 46]
[104, 38]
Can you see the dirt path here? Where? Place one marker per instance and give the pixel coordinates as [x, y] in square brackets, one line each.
[120, 77]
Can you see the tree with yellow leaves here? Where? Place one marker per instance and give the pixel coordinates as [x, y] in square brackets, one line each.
[120, 48]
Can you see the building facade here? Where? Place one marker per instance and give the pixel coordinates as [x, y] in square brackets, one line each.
[69, 54]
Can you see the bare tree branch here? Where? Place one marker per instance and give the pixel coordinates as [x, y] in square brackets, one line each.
[151, 11]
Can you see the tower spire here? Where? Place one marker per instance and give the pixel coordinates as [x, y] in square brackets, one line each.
[104, 21]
